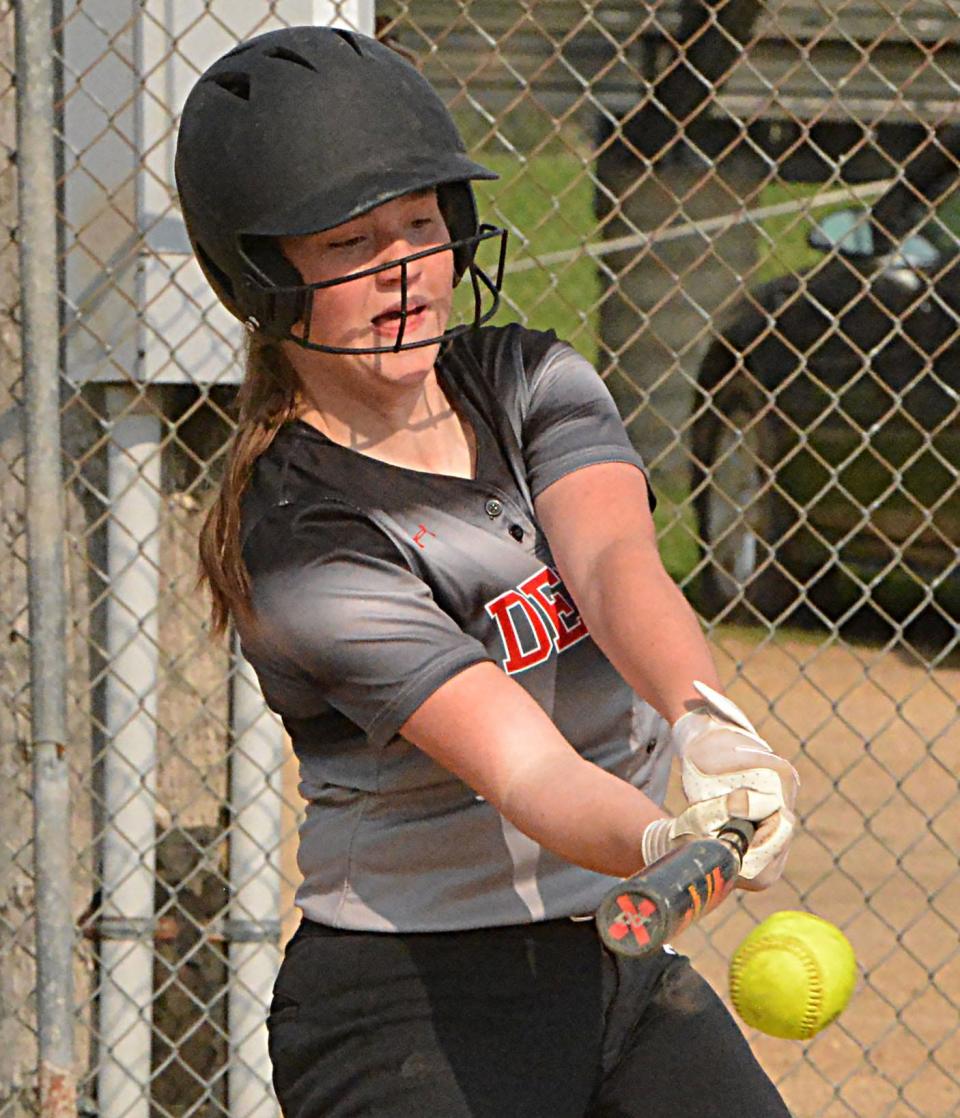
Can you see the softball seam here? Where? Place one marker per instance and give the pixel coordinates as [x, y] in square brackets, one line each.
[809, 1020]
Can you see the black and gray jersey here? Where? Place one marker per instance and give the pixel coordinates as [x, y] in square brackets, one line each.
[373, 584]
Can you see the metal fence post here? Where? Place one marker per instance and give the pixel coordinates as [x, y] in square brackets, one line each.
[45, 535]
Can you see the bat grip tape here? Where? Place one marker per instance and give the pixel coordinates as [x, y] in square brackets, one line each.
[738, 834]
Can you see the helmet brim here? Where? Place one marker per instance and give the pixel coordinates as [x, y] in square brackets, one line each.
[336, 203]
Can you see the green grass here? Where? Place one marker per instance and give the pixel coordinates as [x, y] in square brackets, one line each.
[546, 204]
[782, 241]
[548, 200]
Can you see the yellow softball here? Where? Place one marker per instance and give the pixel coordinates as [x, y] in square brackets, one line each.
[792, 975]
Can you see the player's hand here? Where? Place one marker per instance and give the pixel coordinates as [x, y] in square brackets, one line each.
[720, 751]
[705, 819]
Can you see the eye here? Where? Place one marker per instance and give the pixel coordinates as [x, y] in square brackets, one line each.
[348, 242]
[425, 226]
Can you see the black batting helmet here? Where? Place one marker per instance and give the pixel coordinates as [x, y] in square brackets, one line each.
[297, 131]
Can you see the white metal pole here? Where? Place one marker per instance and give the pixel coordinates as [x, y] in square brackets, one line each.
[254, 925]
[126, 976]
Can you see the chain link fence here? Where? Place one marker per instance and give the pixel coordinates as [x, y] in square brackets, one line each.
[746, 214]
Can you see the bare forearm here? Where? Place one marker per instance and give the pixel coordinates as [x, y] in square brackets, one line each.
[604, 543]
[514, 756]
[584, 814]
[638, 616]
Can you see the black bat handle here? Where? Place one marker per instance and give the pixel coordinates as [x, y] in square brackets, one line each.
[640, 914]
[738, 833]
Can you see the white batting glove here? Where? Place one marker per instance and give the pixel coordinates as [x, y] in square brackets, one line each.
[720, 751]
[704, 820]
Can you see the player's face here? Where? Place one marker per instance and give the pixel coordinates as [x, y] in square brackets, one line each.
[364, 312]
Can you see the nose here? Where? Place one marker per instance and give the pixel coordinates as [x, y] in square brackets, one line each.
[396, 248]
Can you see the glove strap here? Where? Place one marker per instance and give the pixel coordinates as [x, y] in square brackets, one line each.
[723, 707]
[656, 840]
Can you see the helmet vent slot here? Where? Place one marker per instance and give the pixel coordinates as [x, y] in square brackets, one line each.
[241, 49]
[349, 38]
[288, 55]
[236, 83]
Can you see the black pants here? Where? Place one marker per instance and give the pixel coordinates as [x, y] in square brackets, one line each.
[537, 1021]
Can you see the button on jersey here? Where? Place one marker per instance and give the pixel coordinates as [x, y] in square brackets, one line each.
[374, 584]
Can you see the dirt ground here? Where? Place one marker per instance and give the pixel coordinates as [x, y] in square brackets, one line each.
[876, 738]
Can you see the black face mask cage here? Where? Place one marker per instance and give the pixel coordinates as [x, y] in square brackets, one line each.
[296, 299]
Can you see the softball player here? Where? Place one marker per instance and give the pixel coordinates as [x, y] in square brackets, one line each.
[437, 547]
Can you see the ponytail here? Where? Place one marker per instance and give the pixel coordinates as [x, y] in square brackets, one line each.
[267, 399]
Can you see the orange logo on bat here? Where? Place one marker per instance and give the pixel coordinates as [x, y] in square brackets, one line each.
[717, 887]
[632, 918]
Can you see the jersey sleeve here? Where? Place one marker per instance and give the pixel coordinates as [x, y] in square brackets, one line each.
[571, 420]
[335, 597]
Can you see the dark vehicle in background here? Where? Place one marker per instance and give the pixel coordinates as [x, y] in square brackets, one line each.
[826, 437]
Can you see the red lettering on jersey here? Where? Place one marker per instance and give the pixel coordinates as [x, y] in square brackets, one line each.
[542, 600]
[422, 530]
[548, 591]
[502, 611]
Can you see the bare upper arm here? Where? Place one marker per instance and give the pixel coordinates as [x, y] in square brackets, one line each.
[483, 726]
[587, 511]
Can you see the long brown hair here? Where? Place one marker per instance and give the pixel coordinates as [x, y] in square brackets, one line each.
[268, 398]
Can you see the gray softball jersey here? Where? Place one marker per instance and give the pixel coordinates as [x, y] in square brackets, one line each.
[373, 584]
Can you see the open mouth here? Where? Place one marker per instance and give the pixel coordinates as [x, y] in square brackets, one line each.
[388, 322]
